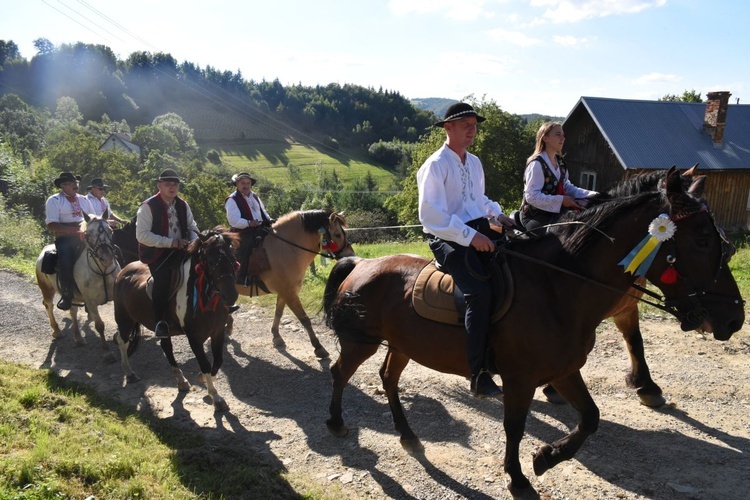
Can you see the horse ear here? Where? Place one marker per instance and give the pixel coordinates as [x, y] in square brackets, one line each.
[691, 171]
[86, 217]
[332, 218]
[202, 237]
[674, 183]
[105, 215]
[698, 186]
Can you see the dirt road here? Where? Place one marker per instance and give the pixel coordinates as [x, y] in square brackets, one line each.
[698, 446]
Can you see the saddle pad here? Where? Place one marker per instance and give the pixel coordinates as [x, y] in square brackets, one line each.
[432, 296]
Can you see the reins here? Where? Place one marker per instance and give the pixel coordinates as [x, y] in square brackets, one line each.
[335, 254]
[91, 254]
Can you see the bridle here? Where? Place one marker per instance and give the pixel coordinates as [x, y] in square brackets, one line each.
[207, 295]
[102, 240]
[325, 242]
[691, 302]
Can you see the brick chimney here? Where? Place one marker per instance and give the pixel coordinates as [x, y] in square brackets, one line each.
[716, 115]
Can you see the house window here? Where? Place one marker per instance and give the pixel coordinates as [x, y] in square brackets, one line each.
[748, 202]
[588, 181]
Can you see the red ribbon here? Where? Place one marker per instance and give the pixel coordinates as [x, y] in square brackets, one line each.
[209, 303]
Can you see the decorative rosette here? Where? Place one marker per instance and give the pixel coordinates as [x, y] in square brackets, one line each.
[639, 259]
[662, 228]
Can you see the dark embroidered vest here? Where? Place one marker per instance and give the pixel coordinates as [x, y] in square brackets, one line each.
[244, 207]
[160, 225]
[553, 185]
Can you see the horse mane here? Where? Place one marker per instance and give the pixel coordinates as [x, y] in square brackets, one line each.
[311, 220]
[230, 238]
[645, 181]
[586, 225]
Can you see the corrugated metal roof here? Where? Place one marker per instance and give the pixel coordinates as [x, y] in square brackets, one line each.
[659, 134]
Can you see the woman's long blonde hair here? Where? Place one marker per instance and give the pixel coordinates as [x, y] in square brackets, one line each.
[543, 130]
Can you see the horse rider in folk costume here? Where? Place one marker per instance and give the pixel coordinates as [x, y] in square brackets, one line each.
[63, 217]
[96, 192]
[164, 228]
[247, 216]
[455, 212]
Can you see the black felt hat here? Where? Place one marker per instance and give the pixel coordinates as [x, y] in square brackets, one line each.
[168, 175]
[66, 177]
[458, 111]
[243, 175]
[97, 182]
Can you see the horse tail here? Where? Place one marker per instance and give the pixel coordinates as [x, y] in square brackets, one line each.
[339, 273]
[344, 312]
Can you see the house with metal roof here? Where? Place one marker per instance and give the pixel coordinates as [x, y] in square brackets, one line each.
[607, 140]
[120, 142]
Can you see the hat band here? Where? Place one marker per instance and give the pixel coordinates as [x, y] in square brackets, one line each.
[455, 115]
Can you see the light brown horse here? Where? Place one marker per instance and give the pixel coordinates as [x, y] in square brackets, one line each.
[550, 328]
[94, 273]
[291, 245]
[198, 309]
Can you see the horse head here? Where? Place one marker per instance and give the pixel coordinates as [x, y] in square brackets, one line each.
[213, 253]
[335, 235]
[690, 267]
[98, 238]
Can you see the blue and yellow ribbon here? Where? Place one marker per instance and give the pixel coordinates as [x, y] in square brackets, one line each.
[639, 259]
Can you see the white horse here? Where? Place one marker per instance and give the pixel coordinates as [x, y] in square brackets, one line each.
[94, 273]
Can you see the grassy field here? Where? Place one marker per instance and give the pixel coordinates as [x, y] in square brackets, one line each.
[271, 161]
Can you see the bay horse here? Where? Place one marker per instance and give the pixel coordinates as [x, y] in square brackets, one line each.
[550, 327]
[94, 273]
[199, 309]
[291, 245]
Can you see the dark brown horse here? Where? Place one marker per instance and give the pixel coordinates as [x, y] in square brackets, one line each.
[550, 327]
[291, 245]
[625, 313]
[126, 242]
[199, 308]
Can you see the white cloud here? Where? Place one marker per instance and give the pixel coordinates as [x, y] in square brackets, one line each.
[572, 11]
[513, 37]
[468, 10]
[476, 63]
[652, 78]
[571, 41]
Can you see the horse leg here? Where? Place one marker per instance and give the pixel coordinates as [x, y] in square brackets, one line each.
[390, 373]
[122, 343]
[296, 306]
[574, 390]
[107, 356]
[278, 342]
[229, 328]
[79, 340]
[517, 401]
[217, 351]
[352, 355]
[182, 383]
[639, 377]
[48, 295]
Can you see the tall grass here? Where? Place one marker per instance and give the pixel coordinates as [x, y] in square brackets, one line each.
[21, 240]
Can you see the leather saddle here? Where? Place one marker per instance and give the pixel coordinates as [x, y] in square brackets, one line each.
[436, 297]
[257, 263]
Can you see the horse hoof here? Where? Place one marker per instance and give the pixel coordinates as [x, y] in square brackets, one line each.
[279, 343]
[337, 430]
[57, 334]
[521, 491]
[109, 359]
[220, 406]
[541, 462]
[412, 445]
[132, 378]
[321, 353]
[652, 400]
[183, 386]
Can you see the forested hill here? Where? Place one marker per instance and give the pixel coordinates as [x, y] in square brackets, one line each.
[218, 105]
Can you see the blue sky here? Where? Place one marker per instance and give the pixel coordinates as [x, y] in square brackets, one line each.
[532, 56]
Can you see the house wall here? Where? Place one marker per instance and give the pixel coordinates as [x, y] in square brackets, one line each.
[586, 150]
[727, 194]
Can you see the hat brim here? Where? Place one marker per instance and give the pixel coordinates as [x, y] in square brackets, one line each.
[59, 180]
[252, 180]
[103, 186]
[479, 118]
[169, 179]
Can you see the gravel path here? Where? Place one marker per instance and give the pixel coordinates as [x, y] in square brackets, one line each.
[697, 446]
